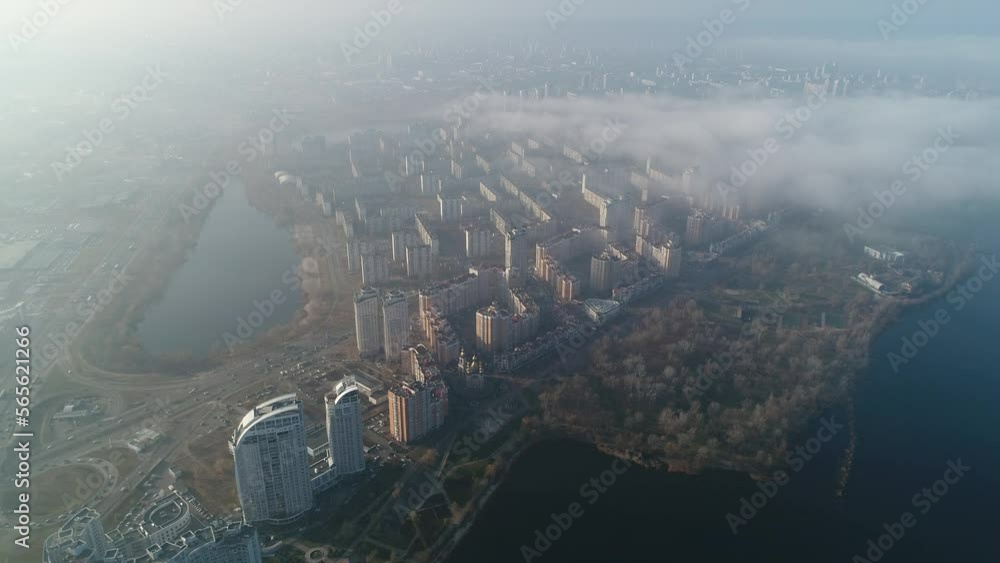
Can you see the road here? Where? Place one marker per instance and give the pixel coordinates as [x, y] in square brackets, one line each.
[56, 322]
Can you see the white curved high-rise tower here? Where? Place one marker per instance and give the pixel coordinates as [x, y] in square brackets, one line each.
[344, 427]
[271, 463]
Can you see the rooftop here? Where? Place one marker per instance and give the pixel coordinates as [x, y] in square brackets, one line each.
[602, 306]
[290, 403]
[164, 512]
[365, 294]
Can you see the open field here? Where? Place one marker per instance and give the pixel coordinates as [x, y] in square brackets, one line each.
[58, 490]
[208, 471]
[11, 254]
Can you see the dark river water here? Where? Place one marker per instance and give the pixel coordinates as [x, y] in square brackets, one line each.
[227, 285]
[942, 406]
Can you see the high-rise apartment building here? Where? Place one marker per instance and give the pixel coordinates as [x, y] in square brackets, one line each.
[427, 231]
[516, 250]
[703, 229]
[374, 268]
[344, 428]
[494, 330]
[368, 322]
[416, 409]
[605, 271]
[419, 261]
[401, 240]
[666, 255]
[450, 208]
[478, 239]
[430, 184]
[695, 225]
[616, 216]
[271, 464]
[395, 324]
[357, 247]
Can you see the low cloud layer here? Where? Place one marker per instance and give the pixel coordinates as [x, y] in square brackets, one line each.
[832, 155]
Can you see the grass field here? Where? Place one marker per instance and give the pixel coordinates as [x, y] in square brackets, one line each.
[462, 485]
[209, 471]
[58, 490]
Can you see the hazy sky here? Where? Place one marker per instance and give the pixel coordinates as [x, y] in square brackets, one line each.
[954, 35]
[175, 18]
[858, 138]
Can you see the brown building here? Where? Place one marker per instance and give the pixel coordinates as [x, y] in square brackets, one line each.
[494, 329]
[416, 409]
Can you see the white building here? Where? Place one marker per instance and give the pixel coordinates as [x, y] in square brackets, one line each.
[374, 268]
[516, 250]
[871, 283]
[80, 540]
[450, 208]
[419, 261]
[236, 543]
[344, 428]
[885, 254]
[428, 233]
[478, 241]
[430, 184]
[357, 247]
[400, 240]
[165, 519]
[367, 322]
[395, 324]
[271, 463]
[616, 216]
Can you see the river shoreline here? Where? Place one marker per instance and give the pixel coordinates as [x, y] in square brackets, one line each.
[316, 245]
[879, 327]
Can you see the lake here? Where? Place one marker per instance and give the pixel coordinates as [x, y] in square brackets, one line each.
[227, 283]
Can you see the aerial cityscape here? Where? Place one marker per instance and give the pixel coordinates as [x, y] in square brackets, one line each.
[471, 282]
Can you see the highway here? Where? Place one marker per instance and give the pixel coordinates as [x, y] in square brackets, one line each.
[58, 318]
